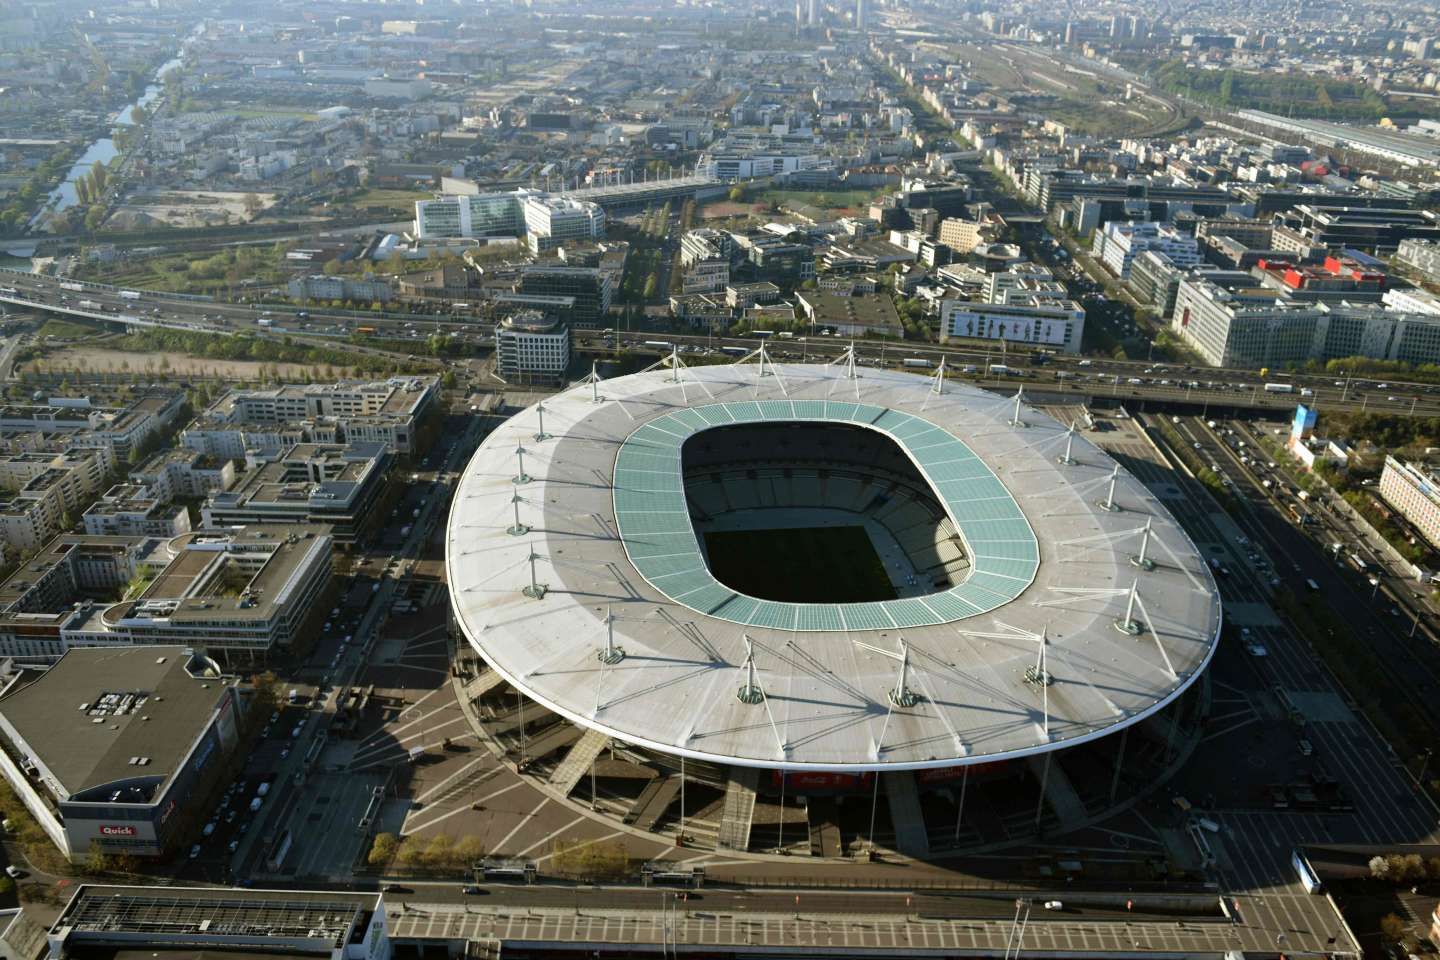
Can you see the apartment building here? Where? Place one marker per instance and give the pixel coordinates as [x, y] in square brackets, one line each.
[130, 510]
[385, 411]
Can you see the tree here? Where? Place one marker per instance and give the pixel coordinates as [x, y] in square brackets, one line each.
[333, 267]
[590, 859]
[440, 852]
[253, 204]
[411, 852]
[267, 688]
[97, 862]
[1392, 928]
[382, 849]
[469, 849]
[737, 193]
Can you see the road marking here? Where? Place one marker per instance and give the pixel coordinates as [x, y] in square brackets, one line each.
[406, 829]
[400, 741]
[524, 819]
[457, 775]
[583, 844]
[551, 836]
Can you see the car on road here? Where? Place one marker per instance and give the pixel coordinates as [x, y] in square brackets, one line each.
[1054, 905]
[195, 851]
[471, 890]
[14, 872]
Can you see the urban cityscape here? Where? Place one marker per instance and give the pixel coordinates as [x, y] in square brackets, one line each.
[876, 478]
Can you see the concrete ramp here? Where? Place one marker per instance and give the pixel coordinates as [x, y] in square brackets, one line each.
[911, 838]
[653, 801]
[568, 772]
[739, 811]
[483, 684]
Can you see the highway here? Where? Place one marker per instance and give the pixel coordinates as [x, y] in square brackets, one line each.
[1258, 547]
[995, 904]
[1103, 378]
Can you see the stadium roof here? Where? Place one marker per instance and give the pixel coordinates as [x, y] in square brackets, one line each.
[606, 534]
[654, 520]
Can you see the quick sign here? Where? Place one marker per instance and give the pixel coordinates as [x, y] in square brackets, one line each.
[109, 831]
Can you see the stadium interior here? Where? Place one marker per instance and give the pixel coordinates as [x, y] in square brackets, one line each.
[817, 513]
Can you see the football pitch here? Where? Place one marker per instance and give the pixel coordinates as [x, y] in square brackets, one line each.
[808, 565]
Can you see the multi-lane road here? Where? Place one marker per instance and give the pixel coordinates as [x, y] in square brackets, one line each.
[1101, 378]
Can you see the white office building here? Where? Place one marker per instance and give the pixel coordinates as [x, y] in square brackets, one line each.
[1414, 491]
[1254, 328]
[1119, 243]
[1057, 324]
[544, 221]
[551, 222]
[531, 348]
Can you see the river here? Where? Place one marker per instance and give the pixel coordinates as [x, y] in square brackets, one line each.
[102, 150]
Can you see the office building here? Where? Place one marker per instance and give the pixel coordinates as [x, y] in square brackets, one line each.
[1059, 325]
[551, 222]
[1413, 490]
[1118, 244]
[1364, 228]
[121, 429]
[1422, 256]
[116, 749]
[545, 221]
[238, 595]
[849, 316]
[531, 348]
[1251, 327]
[338, 485]
[588, 287]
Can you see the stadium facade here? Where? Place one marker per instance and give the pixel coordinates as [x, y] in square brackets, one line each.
[786, 587]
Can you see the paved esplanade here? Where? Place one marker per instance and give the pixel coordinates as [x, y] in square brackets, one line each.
[575, 572]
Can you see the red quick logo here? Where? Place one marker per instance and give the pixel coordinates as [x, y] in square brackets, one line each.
[117, 831]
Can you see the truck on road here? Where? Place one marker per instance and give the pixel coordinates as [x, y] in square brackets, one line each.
[130, 294]
[1279, 388]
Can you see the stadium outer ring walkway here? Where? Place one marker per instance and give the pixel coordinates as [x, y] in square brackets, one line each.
[1119, 617]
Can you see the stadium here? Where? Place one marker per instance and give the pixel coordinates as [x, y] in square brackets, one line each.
[825, 609]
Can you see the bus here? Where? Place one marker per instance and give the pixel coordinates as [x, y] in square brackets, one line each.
[1279, 388]
[365, 331]
[1306, 873]
[734, 351]
[279, 851]
[762, 334]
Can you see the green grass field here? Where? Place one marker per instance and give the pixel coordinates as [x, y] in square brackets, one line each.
[66, 329]
[819, 565]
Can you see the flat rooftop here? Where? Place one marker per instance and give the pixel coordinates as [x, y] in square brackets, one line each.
[140, 702]
[120, 921]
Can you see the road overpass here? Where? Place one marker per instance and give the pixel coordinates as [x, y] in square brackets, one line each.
[1099, 378]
